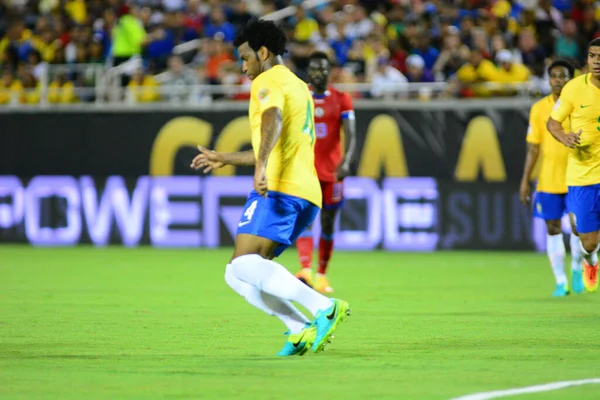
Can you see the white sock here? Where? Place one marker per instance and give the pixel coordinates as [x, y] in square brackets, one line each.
[555, 247]
[282, 309]
[576, 258]
[591, 259]
[272, 278]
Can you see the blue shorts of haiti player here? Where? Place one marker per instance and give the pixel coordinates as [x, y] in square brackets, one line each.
[551, 206]
[585, 205]
[278, 217]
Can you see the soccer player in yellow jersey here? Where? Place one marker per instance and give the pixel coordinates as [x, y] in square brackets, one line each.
[286, 196]
[580, 103]
[551, 201]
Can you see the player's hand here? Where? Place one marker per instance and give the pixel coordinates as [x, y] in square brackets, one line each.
[342, 171]
[572, 139]
[207, 159]
[524, 193]
[260, 180]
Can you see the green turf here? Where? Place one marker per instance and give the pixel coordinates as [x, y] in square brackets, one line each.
[143, 323]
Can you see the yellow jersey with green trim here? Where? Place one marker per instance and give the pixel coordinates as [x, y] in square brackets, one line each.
[580, 101]
[291, 164]
[553, 168]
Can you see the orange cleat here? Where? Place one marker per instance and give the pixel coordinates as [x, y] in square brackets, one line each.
[322, 284]
[590, 277]
[306, 276]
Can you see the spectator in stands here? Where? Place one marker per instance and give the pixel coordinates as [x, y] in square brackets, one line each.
[218, 24]
[568, 44]
[61, 90]
[31, 93]
[128, 34]
[143, 88]
[179, 79]
[360, 25]
[475, 74]
[238, 13]
[387, 80]
[531, 53]
[510, 72]
[39, 68]
[10, 87]
[306, 28]
[451, 58]
[416, 70]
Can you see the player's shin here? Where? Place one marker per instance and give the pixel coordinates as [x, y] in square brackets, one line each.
[555, 248]
[576, 257]
[304, 245]
[325, 250]
[293, 319]
[274, 279]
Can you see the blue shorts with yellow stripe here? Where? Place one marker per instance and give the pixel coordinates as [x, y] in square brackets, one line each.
[550, 206]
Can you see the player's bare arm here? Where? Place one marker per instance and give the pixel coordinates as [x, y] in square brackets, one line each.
[533, 151]
[210, 159]
[570, 139]
[270, 130]
[343, 170]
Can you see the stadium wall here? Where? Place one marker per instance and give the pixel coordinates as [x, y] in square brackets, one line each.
[439, 176]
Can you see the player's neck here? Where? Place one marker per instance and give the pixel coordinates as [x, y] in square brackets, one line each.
[555, 97]
[319, 91]
[272, 62]
[595, 81]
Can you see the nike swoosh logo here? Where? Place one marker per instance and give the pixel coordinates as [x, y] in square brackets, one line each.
[243, 223]
[332, 315]
[585, 106]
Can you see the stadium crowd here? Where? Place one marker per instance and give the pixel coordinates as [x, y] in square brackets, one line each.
[68, 43]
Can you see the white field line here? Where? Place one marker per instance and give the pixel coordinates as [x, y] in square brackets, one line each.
[528, 389]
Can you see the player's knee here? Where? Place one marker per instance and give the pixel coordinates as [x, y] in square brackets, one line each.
[230, 276]
[589, 244]
[554, 227]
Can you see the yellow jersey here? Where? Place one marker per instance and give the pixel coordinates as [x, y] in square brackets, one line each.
[553, 168]
[291, 164]
[580, 102]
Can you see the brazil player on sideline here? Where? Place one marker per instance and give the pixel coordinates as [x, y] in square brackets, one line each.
[332, 109]
[550, 201]
[580, 102]
[286, 196]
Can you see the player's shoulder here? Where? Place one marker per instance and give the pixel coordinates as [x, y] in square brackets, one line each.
[542, 103]
[576, 83]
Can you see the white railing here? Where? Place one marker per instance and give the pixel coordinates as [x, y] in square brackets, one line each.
[214, 94]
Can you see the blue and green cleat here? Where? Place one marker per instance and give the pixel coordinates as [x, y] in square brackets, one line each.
[561, 290]
[299, 343]
[577, 281]
[326, 321]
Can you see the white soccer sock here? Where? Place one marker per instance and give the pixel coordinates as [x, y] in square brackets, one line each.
[555, 247]
[591, 259]
[576, 258]
[272, 278]
[282, 309]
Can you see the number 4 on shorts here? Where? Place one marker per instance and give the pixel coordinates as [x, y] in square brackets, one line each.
[249, 213]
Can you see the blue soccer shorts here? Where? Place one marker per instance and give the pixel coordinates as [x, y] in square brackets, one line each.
[585, 205]
[278, 217]
[550, 206]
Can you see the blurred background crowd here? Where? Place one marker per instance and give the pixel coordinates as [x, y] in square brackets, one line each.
[67, 45]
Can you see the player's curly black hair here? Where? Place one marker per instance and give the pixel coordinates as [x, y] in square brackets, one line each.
[562, 63]
[594, 43]
[260, 33]
[319, 55]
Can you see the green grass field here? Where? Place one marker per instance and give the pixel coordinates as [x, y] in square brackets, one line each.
[115, 323]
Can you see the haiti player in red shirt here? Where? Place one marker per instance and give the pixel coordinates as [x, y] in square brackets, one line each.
[332, 110]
